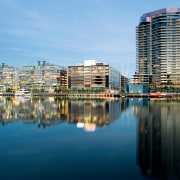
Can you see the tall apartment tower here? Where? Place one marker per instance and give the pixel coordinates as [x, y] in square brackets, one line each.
[158, 49]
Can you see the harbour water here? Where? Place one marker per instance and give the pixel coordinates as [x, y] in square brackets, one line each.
[51, 138]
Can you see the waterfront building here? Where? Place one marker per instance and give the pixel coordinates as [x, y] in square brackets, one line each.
[93, 75]
[8, 77]
[63, 79]
[88, 75]
[44, 76]
[158, 45]
[53, 76]
[124, 83]
[27, 77]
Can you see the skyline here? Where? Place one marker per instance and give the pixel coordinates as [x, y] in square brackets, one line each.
[69, 32]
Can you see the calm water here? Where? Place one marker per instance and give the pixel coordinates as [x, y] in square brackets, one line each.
[62, 139]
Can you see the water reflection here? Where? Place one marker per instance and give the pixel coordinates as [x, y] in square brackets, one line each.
[158, 138]
[90, 114]
[86, 114]
[44, 112]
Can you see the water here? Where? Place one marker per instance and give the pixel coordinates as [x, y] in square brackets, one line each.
[89, 139]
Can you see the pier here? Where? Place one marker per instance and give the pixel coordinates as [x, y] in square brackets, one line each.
[95, 96]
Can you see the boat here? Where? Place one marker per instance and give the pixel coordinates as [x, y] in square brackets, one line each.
[22, 98]
[22, 92]
[158, 94]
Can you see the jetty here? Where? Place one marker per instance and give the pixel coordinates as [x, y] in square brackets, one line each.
[99, 95]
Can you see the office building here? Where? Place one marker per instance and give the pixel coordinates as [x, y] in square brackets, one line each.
[158, 49]
[88, 75]
[94, 75]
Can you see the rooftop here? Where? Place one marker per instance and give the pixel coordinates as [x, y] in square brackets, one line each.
[161, 11]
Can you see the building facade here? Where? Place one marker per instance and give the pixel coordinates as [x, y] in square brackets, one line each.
[53, 76]
[158, 49]
[93, 75]
[27, 77]
[8, 77]
[44, 76]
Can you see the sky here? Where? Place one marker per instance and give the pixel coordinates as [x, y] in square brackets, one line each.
[67, 32]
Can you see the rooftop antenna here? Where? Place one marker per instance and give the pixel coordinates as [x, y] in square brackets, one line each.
[3, 65]
[44, 63]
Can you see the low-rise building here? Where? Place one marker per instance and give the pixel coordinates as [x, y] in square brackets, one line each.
[8, 77]
[94, 75]
[44, 76]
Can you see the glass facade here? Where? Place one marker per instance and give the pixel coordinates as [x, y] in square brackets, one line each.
[115, 78]
[158, 49]
[99, 76]
[76, 77]
[94, 76]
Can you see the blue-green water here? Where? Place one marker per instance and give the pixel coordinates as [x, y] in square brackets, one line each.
[83, 139]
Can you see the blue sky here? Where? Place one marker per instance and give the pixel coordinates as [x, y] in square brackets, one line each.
[68, 32]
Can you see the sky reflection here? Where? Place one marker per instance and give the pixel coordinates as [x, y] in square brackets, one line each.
[63, 139]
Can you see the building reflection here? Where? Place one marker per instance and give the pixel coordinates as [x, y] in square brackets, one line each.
[50, 111]
[92, 114]
[44, 112]
[158, 139]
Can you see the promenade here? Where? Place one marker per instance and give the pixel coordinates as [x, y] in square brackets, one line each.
[94, 96]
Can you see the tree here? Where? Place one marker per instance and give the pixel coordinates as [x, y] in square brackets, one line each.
[55, 90]
[59, 90]
[41, 90]
[8, 90]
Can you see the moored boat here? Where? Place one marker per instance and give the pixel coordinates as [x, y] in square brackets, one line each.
[22, 92]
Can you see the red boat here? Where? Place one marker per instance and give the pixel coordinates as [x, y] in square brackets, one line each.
[158, 94]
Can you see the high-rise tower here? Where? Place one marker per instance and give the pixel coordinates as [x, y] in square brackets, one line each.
[158, 48]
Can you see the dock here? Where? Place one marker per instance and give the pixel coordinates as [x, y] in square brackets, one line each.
[95, 96]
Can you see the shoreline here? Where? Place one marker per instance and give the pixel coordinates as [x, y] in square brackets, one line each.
[95, 96]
